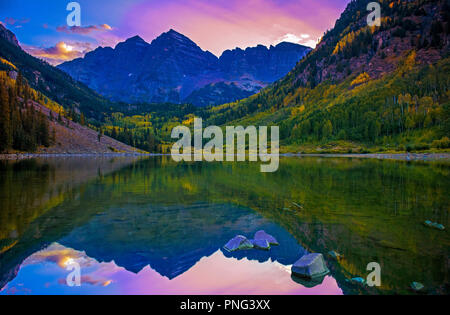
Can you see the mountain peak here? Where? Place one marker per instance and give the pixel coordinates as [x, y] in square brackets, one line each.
[173, 36]
[135, 39]
[172, 31]
[290, 46]
[172, 67]
[287, 44]
[132, 43]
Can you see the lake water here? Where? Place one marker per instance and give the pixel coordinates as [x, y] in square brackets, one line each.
[151, 226]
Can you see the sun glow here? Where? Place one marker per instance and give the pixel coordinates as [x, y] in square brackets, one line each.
[65, 261]
[66, 47]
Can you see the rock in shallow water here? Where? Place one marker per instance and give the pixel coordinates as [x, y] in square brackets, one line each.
[306, 282]
[262, 235]
[310, 266]
[357, 281]
[261, 244]
[334, 255]
[417, 287]
[434, 225]
[238, 243]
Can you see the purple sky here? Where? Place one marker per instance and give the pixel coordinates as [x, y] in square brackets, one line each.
[40, 25]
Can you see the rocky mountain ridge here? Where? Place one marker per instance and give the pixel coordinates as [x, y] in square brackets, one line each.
[172, 68]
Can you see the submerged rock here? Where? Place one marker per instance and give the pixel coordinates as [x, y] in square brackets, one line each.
[262, 235]
[308, 283]
[310, 266]
[417, 287]
[357, 280]
[434, 225]
[238, 243]
[261, 244]
[335, 255]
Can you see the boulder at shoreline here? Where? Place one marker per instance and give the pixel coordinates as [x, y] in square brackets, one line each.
[310, 266]
[238, 243]
[262, 235]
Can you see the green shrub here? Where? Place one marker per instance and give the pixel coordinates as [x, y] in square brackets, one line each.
[421, 147]
[444, 143]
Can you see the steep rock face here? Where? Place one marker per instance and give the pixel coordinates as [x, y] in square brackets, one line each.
[8, 36]
[264, 64]
[353, 47]
[175, 69]
[363, 85]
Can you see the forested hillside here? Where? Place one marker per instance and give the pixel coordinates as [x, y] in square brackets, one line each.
[149, 126]
[378, 88]
[50, 81]
[364, 88]
[21, 126]
[30, 122]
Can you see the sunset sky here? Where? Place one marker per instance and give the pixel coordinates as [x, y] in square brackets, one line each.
[41, 28]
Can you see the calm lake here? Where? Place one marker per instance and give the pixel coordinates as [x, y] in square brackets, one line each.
[151, 226]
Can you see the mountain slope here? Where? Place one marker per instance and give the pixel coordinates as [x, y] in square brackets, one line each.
[30, 122]
[50, 81]
[73, 138]
[218, 93]
[173, 67]
[384, 87]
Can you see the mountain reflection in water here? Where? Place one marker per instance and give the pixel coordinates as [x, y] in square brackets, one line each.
[150, 226]
[42, 273]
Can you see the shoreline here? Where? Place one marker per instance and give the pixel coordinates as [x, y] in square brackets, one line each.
[425, 157]
[24, 156]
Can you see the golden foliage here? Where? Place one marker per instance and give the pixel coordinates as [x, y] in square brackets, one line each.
[351, 36]
[6, 62]
[361, 79]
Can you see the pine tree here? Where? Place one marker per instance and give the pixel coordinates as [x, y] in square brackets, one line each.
[327, 130]
[19, 84]
[16, 120]
[100, 134]
[114, 133]
[30, 129]
[53, 136]
[43, 135]
[5, 120]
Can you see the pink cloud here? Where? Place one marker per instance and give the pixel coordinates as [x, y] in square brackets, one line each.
[83, 30]
[217, 26]
[10, 21]
[214, 25]
[13, 21]
[103, 34]
[61, 52]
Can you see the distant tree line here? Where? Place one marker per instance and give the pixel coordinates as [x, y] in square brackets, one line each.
[147, 126]
[141, 139]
